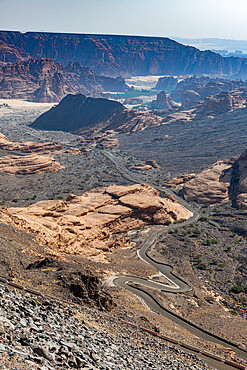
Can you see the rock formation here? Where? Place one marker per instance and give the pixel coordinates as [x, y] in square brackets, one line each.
[114, 55]
[219, 103]
[76, 112]
[96, 119]
[44, 81]
[34, 147]
[238, 186]
[190, 99]
[211, 185]
[28, 164]
[167, 83]
[133, 101]
[179, 181]
[205, 87]
[163, 102]
[223, 181]
[90, 224]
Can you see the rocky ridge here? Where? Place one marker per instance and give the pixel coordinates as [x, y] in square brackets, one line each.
[28, 164]
[114, 55]
[88, 225]
[95, 119]
[34, 146]
[44, 81]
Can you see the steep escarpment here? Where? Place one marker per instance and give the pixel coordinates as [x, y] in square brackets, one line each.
[43, 81]
[89, 225]
[114, 55]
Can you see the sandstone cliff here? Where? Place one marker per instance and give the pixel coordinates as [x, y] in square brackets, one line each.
[223, 181]
[44, 81]
[90, 224]
[114, 55]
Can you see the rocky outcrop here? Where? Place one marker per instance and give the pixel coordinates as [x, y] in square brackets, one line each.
[44, 81]
[211, 185]
[133, 121]
[219, 103]
[114, 55]
[204, 87]
[95, 118]
[133, 101]
[148, 165]
[167, 83]
[28, 164]
[190, 99]
[76, 112]
[238, 186]
[164, 102]
[223, 181]
[34, 147]
[179, 181]
[89, 225]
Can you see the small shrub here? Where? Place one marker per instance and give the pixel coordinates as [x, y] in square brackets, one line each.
[202, 266]
[236, 289]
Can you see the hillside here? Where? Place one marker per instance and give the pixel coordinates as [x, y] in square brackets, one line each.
[77, 112]
[114, 55]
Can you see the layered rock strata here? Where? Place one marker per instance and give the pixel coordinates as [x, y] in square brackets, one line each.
[88, 224]
[28, 164]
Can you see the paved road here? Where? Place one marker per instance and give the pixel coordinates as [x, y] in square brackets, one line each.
[177, 285]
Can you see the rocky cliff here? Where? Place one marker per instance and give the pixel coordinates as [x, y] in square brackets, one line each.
[204, 87]
[223, 181]
[43, 81]
[114, 55]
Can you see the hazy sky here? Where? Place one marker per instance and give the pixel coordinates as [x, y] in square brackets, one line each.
[184, 18]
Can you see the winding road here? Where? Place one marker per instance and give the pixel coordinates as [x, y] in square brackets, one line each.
[177, 285]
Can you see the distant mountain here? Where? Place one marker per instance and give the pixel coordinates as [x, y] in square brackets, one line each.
[113, 55]
[216, 44]
[42, 80]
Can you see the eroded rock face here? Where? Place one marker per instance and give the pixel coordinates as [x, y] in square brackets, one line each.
[33, 147]
[223, 181]
[44, 81]
[238, 188]
[211, 185]
[28, 164]
[219, 103]
[179, 181]
[190, 99]
[163, 102]
[113, 55]
[88, 224]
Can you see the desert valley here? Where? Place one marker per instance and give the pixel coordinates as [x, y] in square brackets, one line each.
[123, 203]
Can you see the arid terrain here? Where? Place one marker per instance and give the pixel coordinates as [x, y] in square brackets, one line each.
[46, 214]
